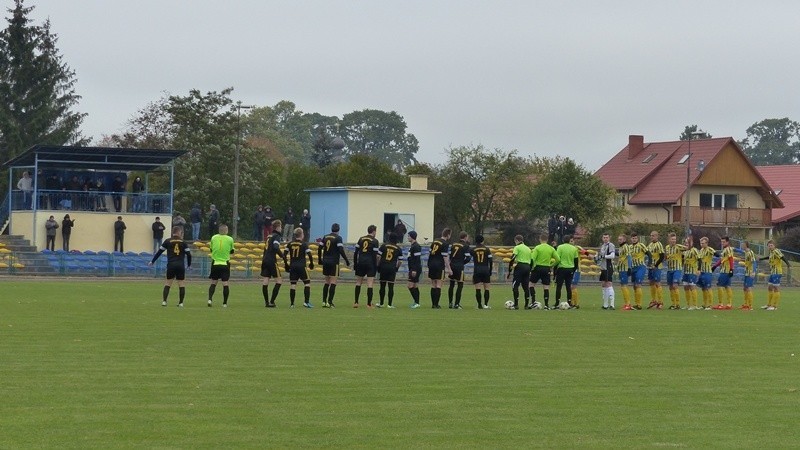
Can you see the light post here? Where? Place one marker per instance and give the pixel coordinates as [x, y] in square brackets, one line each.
[236, 163]
[700, 167]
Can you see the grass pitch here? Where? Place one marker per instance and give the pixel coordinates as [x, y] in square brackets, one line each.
[100, 364]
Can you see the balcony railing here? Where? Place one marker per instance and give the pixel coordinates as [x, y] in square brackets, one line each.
[754, 217]
[91, 201]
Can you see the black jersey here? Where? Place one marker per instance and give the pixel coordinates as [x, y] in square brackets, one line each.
[296, 252]
[459, 254]
[439, 249]
[415, 257]
[367, 251]
[331, 249]
[481, 258]
[176, 250]
[272, 249]
[390, 255]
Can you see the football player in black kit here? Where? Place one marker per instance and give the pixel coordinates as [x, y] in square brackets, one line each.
[297, 251]
[269, 264]
[328, 254]
[459, 257]
[414, 267]
[391, 258]
[176, 270]
[482, 273]
[365, 261]
[439, 266]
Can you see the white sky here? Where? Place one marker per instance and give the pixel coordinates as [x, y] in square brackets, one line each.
[570, 78]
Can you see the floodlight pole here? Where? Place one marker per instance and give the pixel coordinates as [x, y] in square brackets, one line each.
[236, 164]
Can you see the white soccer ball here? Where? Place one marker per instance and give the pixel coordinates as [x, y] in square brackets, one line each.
[563, 305]
[509, 304]
[537, 305]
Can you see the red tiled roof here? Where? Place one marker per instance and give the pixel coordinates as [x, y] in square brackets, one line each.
[785, 181]
[661, 180]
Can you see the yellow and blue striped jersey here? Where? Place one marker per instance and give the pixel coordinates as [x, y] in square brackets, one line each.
[727, 259]
[690, 258]
[624, 251]
[656, 249]
[674, 256]
[638, 252]
[706, 256]
[775, 265]
[749, 260]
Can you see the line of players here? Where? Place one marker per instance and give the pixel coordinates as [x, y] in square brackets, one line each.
[687, 266]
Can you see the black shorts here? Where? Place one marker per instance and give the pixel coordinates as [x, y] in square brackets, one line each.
[298, 273]
[607, 275]
[220, 272]
[365, 270]
[415, 277]
[458, 273]
[176, 273]
[388, 273]
[541, 273]
[481, 276]
[522, 273]
[270, 270]
[330, 269]
[436, 273]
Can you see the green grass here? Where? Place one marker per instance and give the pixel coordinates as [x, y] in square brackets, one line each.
[100, 364]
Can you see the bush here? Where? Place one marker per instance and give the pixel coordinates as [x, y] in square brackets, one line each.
[595, 236]
[790, 240]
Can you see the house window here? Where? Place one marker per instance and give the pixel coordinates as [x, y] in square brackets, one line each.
[719, 201]
[649, 158]
[620, 200]
[684, 159]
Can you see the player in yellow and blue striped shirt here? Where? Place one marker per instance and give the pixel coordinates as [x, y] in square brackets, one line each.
[656, 250]
[674, 256]
[706, 257]
[623, 269]
[690, 259]
[638, 269]
[725, 263]
[775, 258]
[749, 275]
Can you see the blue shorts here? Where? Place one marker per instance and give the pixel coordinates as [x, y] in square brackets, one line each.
[724, 280]
[689, 279]
[576, 278]
[638, 274]
[654, 275]
[775, 279]
[704, 281]
[749, 281]
[623, 277]
[674, 277]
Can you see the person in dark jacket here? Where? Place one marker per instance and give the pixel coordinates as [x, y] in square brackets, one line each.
[119, 235]
[258, 223]
[158, 233]
[196, 218]
[305, 223]
[66, 231]
[137, 188]
[117, 188]
[288, 223]
[50, 228]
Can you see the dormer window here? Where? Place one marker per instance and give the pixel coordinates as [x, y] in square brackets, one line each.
[684, 159]
[649, 158]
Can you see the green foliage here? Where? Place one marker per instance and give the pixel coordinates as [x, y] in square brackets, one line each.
[364, 170]
[773, 141]
[790, 240]
[380, 135]
[37, 88]
[595, 235]
[691, 132]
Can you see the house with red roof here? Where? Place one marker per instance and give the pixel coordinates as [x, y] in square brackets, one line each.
[703, 182]
[785, 180]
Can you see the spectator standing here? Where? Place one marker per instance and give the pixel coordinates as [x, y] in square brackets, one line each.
[119, 235]
[50, 227]
[213, 220]
[269, 216]
[117, 188]
[561, 230]
[52, 185]
[138, 201]
[40, 186]
[400, 230]
[66, 231]
[25, 184]
[288, 223]
[101, 195]
[552, 225]
[196, 217]
[258, 223]
[158, 233]
[305, 223]
[178, 221]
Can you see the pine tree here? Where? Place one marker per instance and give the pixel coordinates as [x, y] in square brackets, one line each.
[37, 88]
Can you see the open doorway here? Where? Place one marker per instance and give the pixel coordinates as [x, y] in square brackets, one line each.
[394, 222]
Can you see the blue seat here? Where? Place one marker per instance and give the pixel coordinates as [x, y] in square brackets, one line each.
[89, 252]
[103, 252]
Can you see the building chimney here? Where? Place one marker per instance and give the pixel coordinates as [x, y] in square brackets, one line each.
[635, 145]
[419, 182]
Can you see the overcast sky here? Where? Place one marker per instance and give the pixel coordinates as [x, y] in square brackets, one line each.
[569, 78]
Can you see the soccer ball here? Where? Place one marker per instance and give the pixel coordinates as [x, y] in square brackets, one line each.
[537, 305]
[563, 305]
[509, 304]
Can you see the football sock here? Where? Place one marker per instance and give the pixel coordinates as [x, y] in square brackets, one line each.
[433, 296]
[181, 294]
[729, 295]
[459, 290]
[604, 292]
[610, 296]
[358, 293]
[637, 295]
[626, 295]
[211, 290]
[532, 293]
[225, 291]
[720, 295]
[331, 293]
[369, 296]
[414, 294]
[575, 298]
[546, 296]
[307, 293]
[478, 297]
[382, 292]
[291, 295]
[265, 293]
[275, 290]
[325, 288]
[776, 298]
[694, 296]
[660, 295]
[653, 295]
[450, 291]
[486, 297]
[391, 293]
[165, 294]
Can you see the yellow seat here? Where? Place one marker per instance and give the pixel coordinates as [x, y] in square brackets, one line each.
[18, 265]
[5, 250]
[239, 268]
[3, 265]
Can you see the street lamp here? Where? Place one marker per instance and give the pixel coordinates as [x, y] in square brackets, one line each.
[700, 167]
[235, 224]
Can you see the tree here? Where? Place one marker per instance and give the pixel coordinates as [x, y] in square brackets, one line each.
[37, 88]
[573, 191]
[381, 135]
[477, 185]
[364, 170]
[689, 133]
[773, 141]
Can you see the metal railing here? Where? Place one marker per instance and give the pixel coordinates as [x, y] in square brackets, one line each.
[89, 201]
